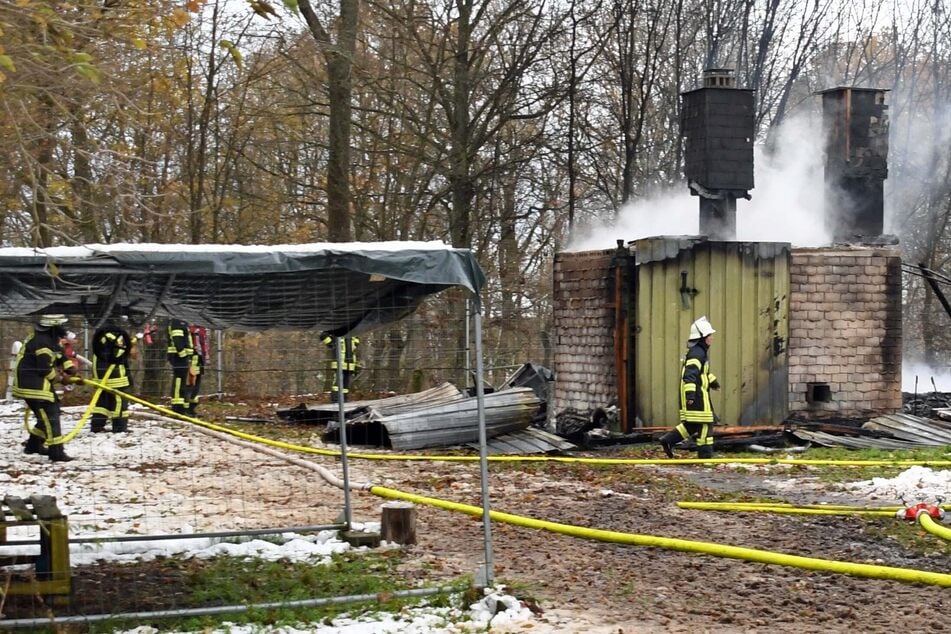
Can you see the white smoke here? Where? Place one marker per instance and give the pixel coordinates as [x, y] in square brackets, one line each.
[917, 377]
[787, 204]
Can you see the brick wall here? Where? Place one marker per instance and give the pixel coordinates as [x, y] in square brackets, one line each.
[845, 331]
[583, 330]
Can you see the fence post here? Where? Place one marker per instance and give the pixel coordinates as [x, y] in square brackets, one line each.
[220, 337]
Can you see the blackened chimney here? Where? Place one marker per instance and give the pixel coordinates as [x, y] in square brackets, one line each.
[717, 125]
[855, 121]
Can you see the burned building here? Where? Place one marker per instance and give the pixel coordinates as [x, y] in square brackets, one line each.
[805, 333]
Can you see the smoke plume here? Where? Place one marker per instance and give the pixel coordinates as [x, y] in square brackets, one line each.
[787, 204]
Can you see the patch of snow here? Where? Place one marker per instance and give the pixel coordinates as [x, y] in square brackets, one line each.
[497, 611]
[915, 484]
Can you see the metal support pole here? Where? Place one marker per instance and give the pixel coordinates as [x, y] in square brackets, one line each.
[468, 377]
[342, 420]
[483, 452]
[220, 360]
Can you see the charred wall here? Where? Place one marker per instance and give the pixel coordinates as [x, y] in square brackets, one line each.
[844, 332]
[584, 331]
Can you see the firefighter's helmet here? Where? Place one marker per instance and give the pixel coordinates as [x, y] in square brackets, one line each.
[701, 328]
[50, 321]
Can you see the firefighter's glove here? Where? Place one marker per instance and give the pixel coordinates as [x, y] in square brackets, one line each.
[715, 385]
[193, 370]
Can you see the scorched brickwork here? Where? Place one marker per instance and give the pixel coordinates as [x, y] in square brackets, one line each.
[845, 332]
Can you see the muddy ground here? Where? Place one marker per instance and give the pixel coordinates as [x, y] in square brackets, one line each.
[582, 586]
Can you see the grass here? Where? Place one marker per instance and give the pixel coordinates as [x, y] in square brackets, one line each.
[239, 581]
[911, 536]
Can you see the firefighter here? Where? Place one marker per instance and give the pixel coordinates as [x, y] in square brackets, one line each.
[181, 355]
[112, 349]
[39, 363]
[199, 337]
[696, 381]
[345, 358]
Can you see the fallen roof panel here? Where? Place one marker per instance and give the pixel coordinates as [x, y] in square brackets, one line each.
[526, 441]
[362, 411]
[447, 424]
[832, 440]
[912, 428]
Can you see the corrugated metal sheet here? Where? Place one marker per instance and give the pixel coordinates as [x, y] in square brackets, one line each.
[856, 442]
[906, 431]
[372, 409]
[912, 428]
[439, 425]
[743, 288]
[527, 441]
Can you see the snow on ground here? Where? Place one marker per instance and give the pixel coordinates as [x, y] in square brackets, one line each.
[916, 484]
[496, 610]
[151, 481]
[144, 505]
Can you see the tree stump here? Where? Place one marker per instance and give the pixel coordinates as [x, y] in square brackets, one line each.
[398, 524]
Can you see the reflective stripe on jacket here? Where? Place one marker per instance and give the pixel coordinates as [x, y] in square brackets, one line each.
[179, 341]
[36, 365]
[349, 352]
[695, 380]
[112, 347]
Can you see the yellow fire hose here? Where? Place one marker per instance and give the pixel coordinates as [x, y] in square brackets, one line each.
[63, 439]
[727, 506]
[684, 545]
[927, 522]
[559, 459]
[837, 507]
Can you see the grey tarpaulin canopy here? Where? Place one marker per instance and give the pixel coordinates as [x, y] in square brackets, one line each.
[339, 288]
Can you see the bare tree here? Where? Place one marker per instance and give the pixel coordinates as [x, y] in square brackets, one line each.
[338, 55]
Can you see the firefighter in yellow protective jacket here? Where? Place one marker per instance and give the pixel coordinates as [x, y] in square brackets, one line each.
[39, 363]
[696, 409]
[112, 350]
[184, 362]
[345, 358]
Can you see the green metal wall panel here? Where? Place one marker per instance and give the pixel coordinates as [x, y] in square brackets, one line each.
[743, 288]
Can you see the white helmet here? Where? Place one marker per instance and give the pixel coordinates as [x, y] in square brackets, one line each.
[48, 321]
[701, 328]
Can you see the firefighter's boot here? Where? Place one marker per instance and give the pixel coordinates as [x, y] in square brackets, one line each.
[668, 440]
[97, 423]
[58, 454]
[34, 444]
[705, 451]
[179, 408]
[120, 425]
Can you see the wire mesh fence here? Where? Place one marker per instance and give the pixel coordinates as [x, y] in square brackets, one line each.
[168, 478]
[425, 349]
